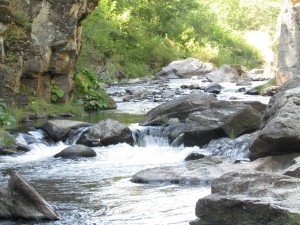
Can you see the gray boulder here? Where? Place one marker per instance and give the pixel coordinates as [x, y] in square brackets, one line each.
[279, 130]
[252, 198]
[213, 88]
[60, 129]
[220, 119]
[178, 108]
[225, 73]
[200, 172]
[107, 132]
[21, 201]
[185, 68]
[76, 151]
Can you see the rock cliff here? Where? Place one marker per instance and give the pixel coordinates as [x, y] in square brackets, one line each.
[289, 47]
[39, 44]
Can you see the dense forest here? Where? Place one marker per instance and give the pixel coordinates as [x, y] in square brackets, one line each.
[133, 38]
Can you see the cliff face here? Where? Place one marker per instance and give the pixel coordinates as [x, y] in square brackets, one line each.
[39, 44]
[289, 47]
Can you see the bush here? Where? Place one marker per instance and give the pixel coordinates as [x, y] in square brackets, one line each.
[5, 118]
[136, 38]
[88, 91]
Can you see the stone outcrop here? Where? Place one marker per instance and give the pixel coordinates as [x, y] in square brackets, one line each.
[39, 44]
[106, 132]
[185, 68]
[279, 130]
[21, 201]
[289, 46]
[252, 198]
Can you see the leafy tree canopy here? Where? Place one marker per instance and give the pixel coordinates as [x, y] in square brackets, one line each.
[133, 38]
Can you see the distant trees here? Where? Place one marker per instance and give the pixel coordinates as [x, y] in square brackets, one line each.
[134, 38]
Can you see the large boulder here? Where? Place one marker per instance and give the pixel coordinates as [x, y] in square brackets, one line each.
[221, 119]
[201, 172]
[178, 108]
[279, 130]
[206, 169]
[60, 130]
[107, 132]
[22, 201]
[252, 198]
[225, 73]
[185, 68]
[76, 151]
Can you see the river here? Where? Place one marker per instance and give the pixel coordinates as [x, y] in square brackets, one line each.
[98, 190]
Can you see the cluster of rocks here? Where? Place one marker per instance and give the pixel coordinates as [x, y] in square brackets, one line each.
[205, 77]
[201, 118]
[264, 191]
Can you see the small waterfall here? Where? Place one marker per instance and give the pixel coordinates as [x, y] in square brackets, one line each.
[145, 136]
[75, 135]
[34, 137]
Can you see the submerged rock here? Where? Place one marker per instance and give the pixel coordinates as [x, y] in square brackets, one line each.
[76, 151]
[22, 201]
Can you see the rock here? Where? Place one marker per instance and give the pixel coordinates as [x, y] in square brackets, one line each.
[172, 131]
[194, 156]
[107, 132]
[279, 130]
[252, 198]
[253, 91]
[178, 108]
[76, 151]
[220, 119]
[47, 46]
[200, 172]
[213, 88]
[233, 147]
[270, 91]
[244, 83]
[288, 65]
[22, 201]
[168, 94]
[225, 73]
[59, 130]
[185, 68]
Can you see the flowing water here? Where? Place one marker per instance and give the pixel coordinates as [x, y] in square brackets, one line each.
[98, 190]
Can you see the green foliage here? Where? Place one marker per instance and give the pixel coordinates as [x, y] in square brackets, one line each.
[56, 91]
[42, 108]
[23, 20]
[88, 91]
[232, 134]
[5, 118]
[270, 83]
[6, 139]
[136, 38]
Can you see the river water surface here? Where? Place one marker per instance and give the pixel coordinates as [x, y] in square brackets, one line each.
[98, 190]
